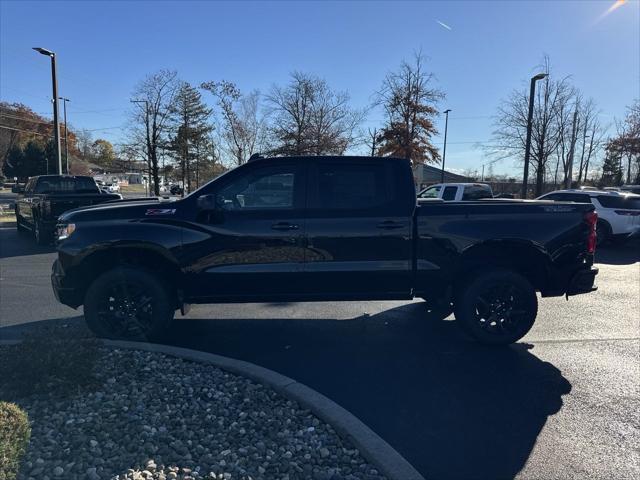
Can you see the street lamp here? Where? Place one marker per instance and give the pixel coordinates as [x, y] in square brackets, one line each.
[66, 129]
[56, 122]
[527, 148]
[444, 151]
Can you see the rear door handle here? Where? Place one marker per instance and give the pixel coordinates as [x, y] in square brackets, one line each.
[390, 225]
[284, 226]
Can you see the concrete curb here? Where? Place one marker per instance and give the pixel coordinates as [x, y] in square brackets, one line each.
[373, 448]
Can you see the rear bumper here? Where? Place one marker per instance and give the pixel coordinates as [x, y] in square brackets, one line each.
[64, 292]
[583, 281]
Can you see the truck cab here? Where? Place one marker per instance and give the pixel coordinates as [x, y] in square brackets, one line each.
[456, 192]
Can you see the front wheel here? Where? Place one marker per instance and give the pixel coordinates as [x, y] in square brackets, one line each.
[498, 307]
[128, 304]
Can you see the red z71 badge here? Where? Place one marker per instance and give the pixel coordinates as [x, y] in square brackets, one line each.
[160, 211]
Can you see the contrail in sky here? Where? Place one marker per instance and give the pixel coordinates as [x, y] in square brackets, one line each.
[444, 25]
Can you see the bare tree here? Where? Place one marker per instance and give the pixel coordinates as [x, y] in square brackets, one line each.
[409, 101]
[626, 144]
[150, 118]
[242, 122]
[568, 123]
[310, 118]
[372, 141]
[549, 118]
[591, 138]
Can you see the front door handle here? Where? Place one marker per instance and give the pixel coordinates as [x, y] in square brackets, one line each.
[390, 225]
[284, 226]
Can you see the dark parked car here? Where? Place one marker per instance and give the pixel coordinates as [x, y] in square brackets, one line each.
[45, 197]
[322, 228]
[176, 190]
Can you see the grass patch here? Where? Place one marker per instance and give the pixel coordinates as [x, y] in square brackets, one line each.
[50, 360]
[14, 438]
[132, 188]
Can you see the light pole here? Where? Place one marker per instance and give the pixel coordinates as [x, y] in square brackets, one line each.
[146, 113]
[527, 148]
[66, 129]
[444, 151]
[56, 122]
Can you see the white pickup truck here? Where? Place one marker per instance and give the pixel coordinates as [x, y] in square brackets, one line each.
[455, 192]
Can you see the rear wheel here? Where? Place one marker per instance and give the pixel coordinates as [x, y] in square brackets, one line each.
[128, 304]
[498, 307]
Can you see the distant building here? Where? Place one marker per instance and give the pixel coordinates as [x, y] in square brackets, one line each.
[425, 175]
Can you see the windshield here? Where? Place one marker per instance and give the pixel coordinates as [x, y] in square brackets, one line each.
[63, 185]
[431, 192]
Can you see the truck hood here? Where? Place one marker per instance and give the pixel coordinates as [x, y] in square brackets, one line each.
[120, 210]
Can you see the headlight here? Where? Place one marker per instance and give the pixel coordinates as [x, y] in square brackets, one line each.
[65, 231]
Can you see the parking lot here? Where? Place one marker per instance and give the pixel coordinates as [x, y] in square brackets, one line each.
[563, 403]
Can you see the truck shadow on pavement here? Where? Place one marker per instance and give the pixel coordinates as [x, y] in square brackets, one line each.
[453, 408]
[15, 244]
[619, 254]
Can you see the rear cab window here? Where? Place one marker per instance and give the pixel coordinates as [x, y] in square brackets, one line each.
[476, 192]
[62, 185]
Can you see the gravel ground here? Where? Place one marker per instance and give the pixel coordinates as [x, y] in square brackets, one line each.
[158, 417]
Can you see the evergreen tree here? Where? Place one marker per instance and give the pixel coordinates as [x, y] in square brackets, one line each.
[27, 162]
[14, 162]
[190, 128]
[35, 159]
[611, 170]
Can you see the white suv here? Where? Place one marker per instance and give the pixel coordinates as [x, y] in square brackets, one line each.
[618, 212]
[457, 192]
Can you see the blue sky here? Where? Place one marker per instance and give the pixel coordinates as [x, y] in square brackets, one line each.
[105, 48]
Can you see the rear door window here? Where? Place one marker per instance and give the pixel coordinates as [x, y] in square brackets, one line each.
[345, 187]
[449, 193]
[476, 192]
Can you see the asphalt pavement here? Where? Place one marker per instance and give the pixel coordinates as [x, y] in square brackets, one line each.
[563, 403]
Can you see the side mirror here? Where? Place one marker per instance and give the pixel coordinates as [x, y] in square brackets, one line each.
[17, 189]
[208, 203]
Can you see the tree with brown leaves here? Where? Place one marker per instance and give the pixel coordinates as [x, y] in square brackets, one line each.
[410, 103]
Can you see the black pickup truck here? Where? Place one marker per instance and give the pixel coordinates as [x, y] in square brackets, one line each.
[322, 228]
[45, 197]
